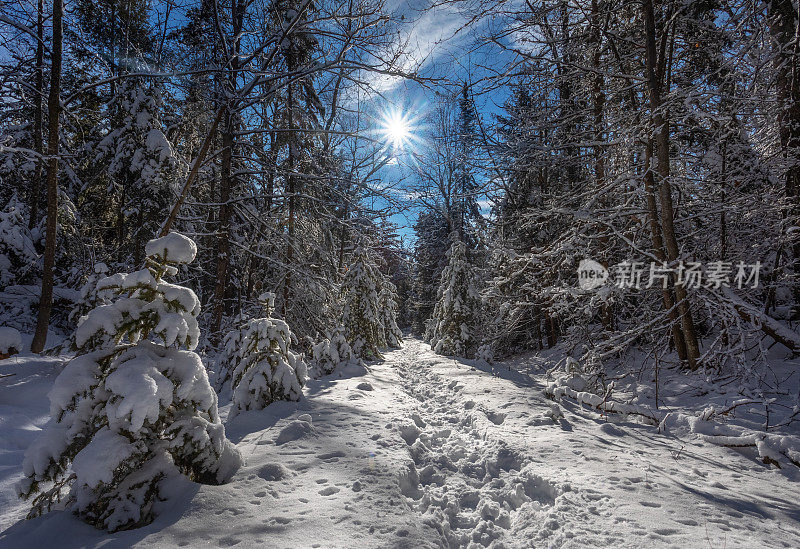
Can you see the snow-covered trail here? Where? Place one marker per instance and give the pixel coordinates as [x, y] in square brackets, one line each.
[577, 481]
[427, 451]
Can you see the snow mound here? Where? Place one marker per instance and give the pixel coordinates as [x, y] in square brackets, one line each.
[272, 472]
[10, 341]
[297, 429]
[173, 248]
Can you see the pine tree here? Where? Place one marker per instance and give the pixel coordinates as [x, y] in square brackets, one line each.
[387, 299]
[141, 162]
[457, 306]
[264, 369]
[466, 212]
[90, 297]
[330, 353]
[362, 320]
[133, 407]
[430, 259]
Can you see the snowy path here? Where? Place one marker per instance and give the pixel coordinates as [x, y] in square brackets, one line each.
[579, 481]
[425, 451]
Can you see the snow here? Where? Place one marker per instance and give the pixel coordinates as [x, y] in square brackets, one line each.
[440, 452]
[175, 247]
[97, 461]
[10, 341]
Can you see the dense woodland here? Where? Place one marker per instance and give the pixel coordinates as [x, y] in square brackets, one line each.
[632, 131]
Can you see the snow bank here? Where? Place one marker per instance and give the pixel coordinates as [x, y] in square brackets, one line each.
[10, 341]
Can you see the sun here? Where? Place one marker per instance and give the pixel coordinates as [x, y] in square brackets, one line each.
[397, 128]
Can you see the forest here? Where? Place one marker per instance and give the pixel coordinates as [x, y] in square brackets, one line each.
[399, 273]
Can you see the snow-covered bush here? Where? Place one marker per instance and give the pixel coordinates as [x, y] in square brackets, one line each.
[332, 352]
[485, 353]
[17, 254]
[133, 407]
[387, 299]
[10, 342]
[263, 367]
[362, 319]
[457, 306]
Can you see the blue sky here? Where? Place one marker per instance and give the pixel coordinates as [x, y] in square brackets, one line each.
[441, 47]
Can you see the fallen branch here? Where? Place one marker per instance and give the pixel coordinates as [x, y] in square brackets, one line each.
[770, 326]
[601, 404]
[771, 448]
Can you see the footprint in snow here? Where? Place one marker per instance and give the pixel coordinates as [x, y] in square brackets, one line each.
[649, 504]
[496, 417]
[331, 456]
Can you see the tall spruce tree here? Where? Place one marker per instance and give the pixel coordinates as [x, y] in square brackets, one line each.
[453, 328]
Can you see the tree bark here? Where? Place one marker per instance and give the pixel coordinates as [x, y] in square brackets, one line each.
[53, 112]
[291, 190]
[227, 178]
[223, 231]
[38, 114]
[783, 29]
[661, 127]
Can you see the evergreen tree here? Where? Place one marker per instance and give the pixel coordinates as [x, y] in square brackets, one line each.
[133, 407]
[466, 214]
[455, 317]
[330, 353]
[387, 299]
[141, 163]
[430, 259]
[362, 319]
[263, 367]
[18, 257]
[90, 297]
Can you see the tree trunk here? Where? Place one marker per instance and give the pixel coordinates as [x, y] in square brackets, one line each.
[227, 180]
[291, 189]
[598, 106]
[53, 112]
[38, 114]
[661, 127]
[223, 231]
[658, 249]
[783, 29]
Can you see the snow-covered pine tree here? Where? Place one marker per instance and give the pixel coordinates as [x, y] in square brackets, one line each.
[133, 408]
[330, 353]
[141, 162]
[457, 306]
[387, 300]
[362, 320]
[264, 368]
[17, 254]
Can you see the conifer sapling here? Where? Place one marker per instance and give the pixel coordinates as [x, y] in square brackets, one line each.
[264, 369]
[134, 406]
